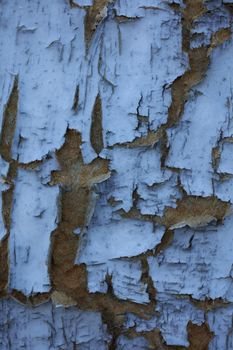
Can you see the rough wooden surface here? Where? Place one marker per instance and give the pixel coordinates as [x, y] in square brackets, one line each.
[116, 169]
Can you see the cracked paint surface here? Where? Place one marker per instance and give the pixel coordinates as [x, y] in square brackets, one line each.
[116, 175]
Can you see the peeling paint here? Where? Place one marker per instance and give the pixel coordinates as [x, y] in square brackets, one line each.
[116, 174]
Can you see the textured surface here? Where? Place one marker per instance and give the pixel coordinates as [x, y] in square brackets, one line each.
[116, 174]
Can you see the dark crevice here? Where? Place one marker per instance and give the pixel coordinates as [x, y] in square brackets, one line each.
[146, 278]
[96, 126]
[76, 100]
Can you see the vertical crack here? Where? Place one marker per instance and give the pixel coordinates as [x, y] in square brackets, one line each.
[96, 126]
[146, 278]
[6, 140]
[9, 123]
[76, 100]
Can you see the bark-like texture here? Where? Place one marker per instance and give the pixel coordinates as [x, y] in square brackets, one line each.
[116, 192]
